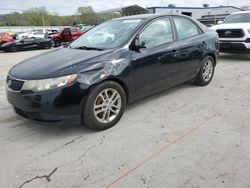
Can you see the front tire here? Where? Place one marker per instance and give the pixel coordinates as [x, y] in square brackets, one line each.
[206, 73]
[57, 42]
[104, 106]
[13, 48]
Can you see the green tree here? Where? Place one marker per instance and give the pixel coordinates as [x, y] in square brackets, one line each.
[36, 16]
[13, 19]
[86, 15]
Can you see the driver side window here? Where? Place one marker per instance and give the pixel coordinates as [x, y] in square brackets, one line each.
[157, 33]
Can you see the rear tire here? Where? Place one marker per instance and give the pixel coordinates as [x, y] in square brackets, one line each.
[206, 73]
[104, 106]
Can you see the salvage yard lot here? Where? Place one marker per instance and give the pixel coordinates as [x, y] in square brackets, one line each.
[187, 136]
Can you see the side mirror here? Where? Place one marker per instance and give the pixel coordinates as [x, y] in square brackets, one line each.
[139, 44]
[219, 22]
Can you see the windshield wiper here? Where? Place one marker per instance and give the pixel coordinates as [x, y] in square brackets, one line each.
[88, 48]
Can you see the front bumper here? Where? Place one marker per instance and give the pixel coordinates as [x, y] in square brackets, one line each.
[60, 104]
[235, 46]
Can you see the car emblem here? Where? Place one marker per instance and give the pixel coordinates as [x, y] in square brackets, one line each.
[227, 33]
[9, 83]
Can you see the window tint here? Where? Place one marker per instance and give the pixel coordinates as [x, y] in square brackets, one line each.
[66, 30]
[185, 28]
[73, 29]
[238, 18]
[157, 33]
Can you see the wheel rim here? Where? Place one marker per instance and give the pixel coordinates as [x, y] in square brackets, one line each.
[107, 105]
[208, 70]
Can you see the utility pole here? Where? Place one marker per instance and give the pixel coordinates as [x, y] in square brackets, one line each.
[43, 19]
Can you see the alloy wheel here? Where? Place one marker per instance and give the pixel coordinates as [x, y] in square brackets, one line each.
[208, 70]
[107, 105]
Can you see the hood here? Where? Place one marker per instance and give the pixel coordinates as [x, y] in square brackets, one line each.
[232, 26]
[54, 35]
[59, 62]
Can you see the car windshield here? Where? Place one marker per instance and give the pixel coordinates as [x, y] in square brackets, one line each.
[238, 18]
[108, 35]
[60, 29]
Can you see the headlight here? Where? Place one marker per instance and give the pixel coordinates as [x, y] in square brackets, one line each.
[248, 31]
[46, 84]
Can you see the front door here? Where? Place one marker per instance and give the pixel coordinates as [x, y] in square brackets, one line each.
[155, 64]
[66, 35]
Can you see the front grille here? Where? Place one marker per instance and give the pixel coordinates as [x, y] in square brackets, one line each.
[14, 84]
[230, 33]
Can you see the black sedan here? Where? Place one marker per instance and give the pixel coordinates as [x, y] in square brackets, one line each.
[113, 64]
[26, 44]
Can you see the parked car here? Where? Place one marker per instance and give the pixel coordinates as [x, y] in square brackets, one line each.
[26, 44]
[64, 35]
[5, 38]
[80, 26]
[93, 82]
[86, 28]
[37, 33]
[234, 33]
[10, 33]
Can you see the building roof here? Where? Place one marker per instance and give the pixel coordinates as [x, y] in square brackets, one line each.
[128, 10]
[244, 12]
[219, 7]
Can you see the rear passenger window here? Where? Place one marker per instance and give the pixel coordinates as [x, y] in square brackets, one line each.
[157, 33]
[185, 28]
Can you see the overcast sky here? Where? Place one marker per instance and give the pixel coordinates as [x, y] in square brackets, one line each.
[67, 7]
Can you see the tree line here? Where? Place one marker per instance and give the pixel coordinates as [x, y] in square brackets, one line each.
[39, 16]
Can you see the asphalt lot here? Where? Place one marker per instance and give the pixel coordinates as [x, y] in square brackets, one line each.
[187, 136]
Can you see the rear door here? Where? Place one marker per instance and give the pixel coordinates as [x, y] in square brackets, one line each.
[191, 42]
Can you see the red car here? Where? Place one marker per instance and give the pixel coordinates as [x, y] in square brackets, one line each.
[66, 34]
[5, 38]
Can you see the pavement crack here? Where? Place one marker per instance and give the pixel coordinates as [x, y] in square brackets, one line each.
[90, 148]
[47, 177]
[64, 145]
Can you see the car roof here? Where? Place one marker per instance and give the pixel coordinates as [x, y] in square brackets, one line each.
[147, 16]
